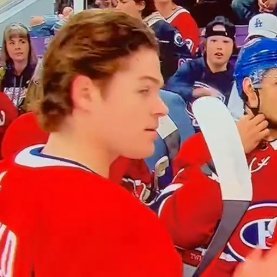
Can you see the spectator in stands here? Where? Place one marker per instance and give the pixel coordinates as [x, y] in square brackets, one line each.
[262, 25]
[246, 9]
[211, 74]
[47, 25]
[205, 11]
[19, 62]
[61, 4]
[182, 20]
[105, 4]
[173, 50]
[42, 26]
[63, 18]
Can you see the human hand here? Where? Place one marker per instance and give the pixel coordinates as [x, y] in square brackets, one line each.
[258, 264]
[252, 129]
[267, 5]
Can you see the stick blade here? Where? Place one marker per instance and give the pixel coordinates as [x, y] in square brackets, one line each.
[224, 143]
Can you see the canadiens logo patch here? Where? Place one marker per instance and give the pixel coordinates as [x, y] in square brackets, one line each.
[178, 40]
[253, 231]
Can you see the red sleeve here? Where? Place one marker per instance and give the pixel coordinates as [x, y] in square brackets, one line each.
[139, 170]
[23, 132]
[193, 152]
[129, 168]
[192, 213]
[135, 176]
[118, 169]
[8, 113]
[188, 28]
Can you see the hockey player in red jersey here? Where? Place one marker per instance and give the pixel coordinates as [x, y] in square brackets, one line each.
[194, 210]
[59, 214]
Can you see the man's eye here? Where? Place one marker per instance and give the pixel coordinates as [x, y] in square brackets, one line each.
[144, 91]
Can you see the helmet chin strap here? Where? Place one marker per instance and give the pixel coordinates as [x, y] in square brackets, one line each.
[255, 111]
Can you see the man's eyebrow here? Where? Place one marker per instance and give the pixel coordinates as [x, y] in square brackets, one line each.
[152, 79]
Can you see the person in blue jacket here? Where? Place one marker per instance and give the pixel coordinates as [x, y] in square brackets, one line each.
[211, 74]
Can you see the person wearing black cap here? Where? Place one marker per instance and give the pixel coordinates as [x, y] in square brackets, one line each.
[211, 74]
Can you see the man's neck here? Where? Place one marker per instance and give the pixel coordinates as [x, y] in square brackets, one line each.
[166, 9]
[19, 67]
[78, 149]
[216, 68]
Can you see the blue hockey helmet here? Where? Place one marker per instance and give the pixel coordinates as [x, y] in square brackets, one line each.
[255, 59]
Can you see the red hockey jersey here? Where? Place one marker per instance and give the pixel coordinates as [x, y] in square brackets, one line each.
[192, 207]
[8, 113]
[58, 218]
[183, 21]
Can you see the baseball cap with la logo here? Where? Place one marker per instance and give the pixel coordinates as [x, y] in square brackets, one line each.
[262, 25]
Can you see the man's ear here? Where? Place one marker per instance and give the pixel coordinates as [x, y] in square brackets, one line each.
[83, 92]
[141, 5]
[248, 89]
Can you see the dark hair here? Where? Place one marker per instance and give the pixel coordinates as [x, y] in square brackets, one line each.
[149, 7]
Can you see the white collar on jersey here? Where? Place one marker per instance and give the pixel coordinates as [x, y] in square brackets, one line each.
[27, 158]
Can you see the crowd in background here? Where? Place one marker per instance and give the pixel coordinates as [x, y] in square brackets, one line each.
[238, 11]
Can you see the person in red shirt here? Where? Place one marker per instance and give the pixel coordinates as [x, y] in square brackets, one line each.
[182, 20]
[59, 214]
